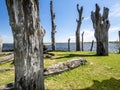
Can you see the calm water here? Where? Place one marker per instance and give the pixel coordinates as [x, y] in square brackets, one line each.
[113, 47]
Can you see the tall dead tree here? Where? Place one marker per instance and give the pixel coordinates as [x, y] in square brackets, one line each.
[79, 22]
[28, 48]
[82, 41]
[101, 25]
[69, 44]
[53, 26]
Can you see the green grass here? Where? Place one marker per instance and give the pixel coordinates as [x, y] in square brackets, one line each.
[100, 73]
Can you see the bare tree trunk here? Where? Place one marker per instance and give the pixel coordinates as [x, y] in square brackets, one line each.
[69, 44]
[79, 22]
[92, 45]
[53, 26]
[82, 41]
[101, 25]
[119, 41]
[0, 44]
[28, 48]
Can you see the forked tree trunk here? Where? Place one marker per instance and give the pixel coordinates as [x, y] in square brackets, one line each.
[69, 44]
[53, 26]
[82, 41]
[101, 25]
[79, 22]
[0, 44]
[28, 48]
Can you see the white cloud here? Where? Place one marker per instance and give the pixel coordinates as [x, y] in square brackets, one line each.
[7, 39]
[86, 18]
[88, 36]
[115, 10]
[114, 28]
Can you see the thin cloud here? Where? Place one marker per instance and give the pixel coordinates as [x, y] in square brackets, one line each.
[115, 10]
[115, 28]
[86, 18]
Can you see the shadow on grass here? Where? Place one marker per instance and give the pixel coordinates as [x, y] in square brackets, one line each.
[75, 55]
[110, 84]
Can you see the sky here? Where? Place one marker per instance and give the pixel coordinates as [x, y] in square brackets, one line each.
[66, 15]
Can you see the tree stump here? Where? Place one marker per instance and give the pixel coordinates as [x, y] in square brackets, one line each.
[53, 26]
[69, 44]
[101, 25]
[79, 22]
[82, 41]
[28, 48]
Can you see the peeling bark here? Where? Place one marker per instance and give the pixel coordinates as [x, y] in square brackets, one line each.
[101, 25]
[53, 26]
[28, 48]
[79, 22]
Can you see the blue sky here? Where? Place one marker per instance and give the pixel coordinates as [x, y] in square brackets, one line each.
[66, 15]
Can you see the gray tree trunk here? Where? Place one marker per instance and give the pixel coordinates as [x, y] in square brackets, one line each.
[69, 44]
[101, 25]
[53, 26]
[92, 45]
[82, 41]
[119, 41]
[0, 44]
[28, 48]
[79, 22]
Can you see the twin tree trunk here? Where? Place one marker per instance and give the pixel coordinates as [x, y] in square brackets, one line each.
[53, 26]
[28, 48]
[79, 22]
[82, 41]
[101, 25]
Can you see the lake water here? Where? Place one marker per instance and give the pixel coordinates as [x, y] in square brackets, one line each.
[113, 47]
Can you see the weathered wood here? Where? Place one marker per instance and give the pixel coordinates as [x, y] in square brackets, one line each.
[82, 41]
[92, 45]
[0, 44]
[28, 48]
[79, 22]
[101, 25]
[119, 40]
[53, 26]
[69, 44]
[64, 66]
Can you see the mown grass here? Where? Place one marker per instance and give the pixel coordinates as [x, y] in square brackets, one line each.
[100, 73]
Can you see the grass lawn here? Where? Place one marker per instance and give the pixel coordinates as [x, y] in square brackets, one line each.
[100, 73]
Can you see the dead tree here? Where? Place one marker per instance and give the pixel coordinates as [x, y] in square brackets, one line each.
[79, 22]
[92, 45]
[101, 25]
[53, 26]
[28, 48]
[119, 41]
[69, 44]
[82, 41]
[0, 44]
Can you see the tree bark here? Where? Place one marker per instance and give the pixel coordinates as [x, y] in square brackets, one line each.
[101, 25]
[0, 44]
[92, 45]
[53, 26]
[82, 41]
[79, 22]
[28, 48]
[69, 44]
[119, 41]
